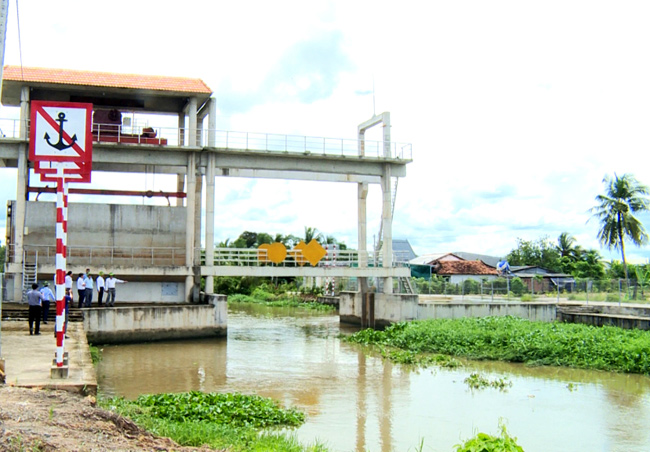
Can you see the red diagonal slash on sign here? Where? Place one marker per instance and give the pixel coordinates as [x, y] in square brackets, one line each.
[64, 134]
[73, 151]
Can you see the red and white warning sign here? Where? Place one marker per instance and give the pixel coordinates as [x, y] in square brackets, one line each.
[61, 132]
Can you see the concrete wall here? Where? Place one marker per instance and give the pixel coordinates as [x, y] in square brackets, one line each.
[392, 308]
[542, 312]
[151, 323]
[108, 225]
[620, 321]
[143, 292]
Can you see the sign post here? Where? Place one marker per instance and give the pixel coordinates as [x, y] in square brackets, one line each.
[60, 146]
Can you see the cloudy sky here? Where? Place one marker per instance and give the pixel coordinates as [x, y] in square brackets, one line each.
[516, 110]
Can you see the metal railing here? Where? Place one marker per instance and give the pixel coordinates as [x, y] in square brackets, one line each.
[235, 141]
[166, 256]
[106, 255]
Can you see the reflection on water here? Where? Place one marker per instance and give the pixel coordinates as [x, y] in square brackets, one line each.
[357, 402]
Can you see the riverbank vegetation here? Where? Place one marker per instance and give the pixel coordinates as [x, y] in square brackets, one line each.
[262, 295]
[518, 340]
[233, 422]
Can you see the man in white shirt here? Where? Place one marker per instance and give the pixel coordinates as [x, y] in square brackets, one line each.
[88, 295]
[110, 288]
[99, 282]
[81, 289]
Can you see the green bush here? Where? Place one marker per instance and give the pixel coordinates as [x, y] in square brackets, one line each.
[517, 287]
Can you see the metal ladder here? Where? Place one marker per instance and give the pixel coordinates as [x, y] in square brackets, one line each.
[30, 272]
[405, 283]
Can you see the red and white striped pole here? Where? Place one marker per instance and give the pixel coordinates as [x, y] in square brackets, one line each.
[61, 257]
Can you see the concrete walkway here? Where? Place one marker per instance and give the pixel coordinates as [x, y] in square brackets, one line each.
[28, 359]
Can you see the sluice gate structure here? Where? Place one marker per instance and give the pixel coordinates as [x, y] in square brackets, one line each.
[159, 249]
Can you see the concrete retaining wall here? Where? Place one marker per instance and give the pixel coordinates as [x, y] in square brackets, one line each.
[392, 308]
[152, 323]
[621, 321]
[143, 292]
[541, 312]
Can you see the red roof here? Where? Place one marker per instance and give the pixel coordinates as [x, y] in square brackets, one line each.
[463, 268]
[106, 79]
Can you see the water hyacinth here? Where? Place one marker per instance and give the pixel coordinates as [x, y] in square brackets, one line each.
[518, 340]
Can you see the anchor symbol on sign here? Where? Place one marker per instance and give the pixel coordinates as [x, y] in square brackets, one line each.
[60, 145]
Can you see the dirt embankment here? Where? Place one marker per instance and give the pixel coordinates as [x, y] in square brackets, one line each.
[42, 420]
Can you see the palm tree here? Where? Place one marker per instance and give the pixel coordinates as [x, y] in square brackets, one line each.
[624, 196]
[567, 248]
[312, 234]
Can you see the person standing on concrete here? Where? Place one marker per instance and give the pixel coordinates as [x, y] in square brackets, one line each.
[81, 289]
[34, 299]
[100, 288]
[88, 295]
[48, 297]
[68, 282]
[111, 281]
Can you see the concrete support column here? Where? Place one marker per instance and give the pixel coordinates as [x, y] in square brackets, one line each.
[209, 195]
[385, 122]
[198, 211]
[21, 193]
[180, 178]
[189, 222]
[387, 226]
[362, 232]
[192, 121]
[209, 221]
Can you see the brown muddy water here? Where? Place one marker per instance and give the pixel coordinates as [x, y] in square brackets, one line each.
[355, 401]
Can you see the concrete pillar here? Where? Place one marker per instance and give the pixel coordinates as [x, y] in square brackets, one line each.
[24, 112]
[21, 193]
[387, 226]
[180, 178]
[192, 121]
[189, 222]
[209, 196]
[385, 120]
[191, 201]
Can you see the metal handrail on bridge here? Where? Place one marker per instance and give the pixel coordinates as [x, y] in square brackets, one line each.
[166, 256]
[235, 141]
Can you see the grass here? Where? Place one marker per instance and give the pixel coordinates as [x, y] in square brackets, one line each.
[518, 340]
[235, 422]
[95, 354]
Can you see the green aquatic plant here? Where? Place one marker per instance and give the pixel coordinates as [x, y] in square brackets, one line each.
[484, 442]
[235, 422]
[239, 410]
[478, 381]
[519, 340]
[288, 301]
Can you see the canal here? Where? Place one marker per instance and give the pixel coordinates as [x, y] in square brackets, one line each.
[355, 401]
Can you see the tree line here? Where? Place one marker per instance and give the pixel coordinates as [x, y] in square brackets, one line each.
[616, 210]
[248, 239]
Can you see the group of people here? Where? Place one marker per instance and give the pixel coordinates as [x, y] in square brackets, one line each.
[86, 287]
[39, 300]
